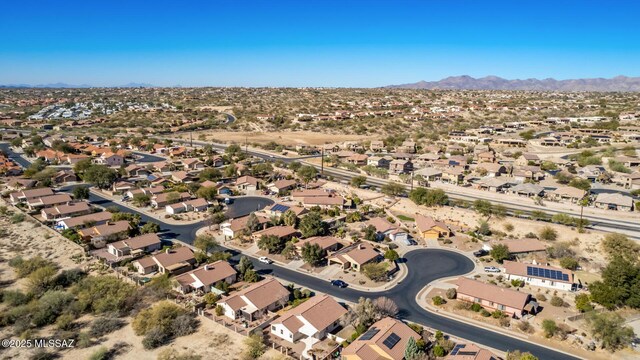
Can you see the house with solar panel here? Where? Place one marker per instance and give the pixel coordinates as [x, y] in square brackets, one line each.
[470, 352]
[385, 339]
[541, 275]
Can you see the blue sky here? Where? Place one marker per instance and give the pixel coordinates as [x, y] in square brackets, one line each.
[313, 43]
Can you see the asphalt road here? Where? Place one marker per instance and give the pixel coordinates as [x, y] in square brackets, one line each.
[424, 267]
[245, 205]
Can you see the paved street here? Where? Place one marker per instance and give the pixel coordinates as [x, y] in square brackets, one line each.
[424, 267]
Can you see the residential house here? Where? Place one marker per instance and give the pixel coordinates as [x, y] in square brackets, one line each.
[465, 351]
[234, 227]
[248, 184]
[48, 201]
[182, 177]
[77, 222]
[527, 189]
[100, 235]
[491, 169]
[632, 181]
[172, 261]
[64, 176]
[377, 146]
[110, 159]
[386, 229]
[493, 184]
[135, 246]
[121, 187]
[428, 174]
[25, 195]
[282, 186]
[386, 339]
[493, 297]
[541, 275]
[278, 210]
[135, 170]
[281, 232]
[399, 166]
[525, 173]
[255, 301]
[195, 205]
[614, 201]
[67, 210]
[357, 159]
[527, 159]
[567, 193]
[380, 161]
[431, 229]
[204, 278]
[325, 202]
[315, 318]
[164, 199]
[453, 175]
[355, 256]
[326, 243]
[149, 191]
[193, 164]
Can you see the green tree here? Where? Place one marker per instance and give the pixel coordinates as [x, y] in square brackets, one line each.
[141, 200]
[610, 330]
[290, 218]
[307, 173]
[205, 243]
[312, 225]
[615, 244]
[244, 265]
[500, 253]
[312, 254]
[583, 303]
[391, 255]
[81, 166]
[620, 284]
[358, 181]
[207, 193]
[80, 193]
[271, 243]
[411, 350]
[582, 184]
[100, 175]
[528, 134]
[549, 328]
[483, 207]
[150, 228]
[569, 263]
[375, 271]
[393, 189]
[518, 355]
[255, 346]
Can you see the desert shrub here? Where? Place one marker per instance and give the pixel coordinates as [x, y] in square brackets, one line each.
[105, 325]
[525, 327]
[451, 293]
[476, 307]
[556, 301]
[548, 233]
[505, 321]
[549, 328]
[485, 313]
[24, 268]
[65, 321]
[497, 314]
[255, 347]
[16, 297]
[104, 294]
[51, 305]
[541, 297]
[17, 218]
[154, 338]
[438, 300]
[517, 283]
[102, 353]
[184, 325]
[219, 310]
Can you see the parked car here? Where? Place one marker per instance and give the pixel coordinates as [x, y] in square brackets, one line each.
[491, 269]
[264, 259]
[339, 283]
[480, 253]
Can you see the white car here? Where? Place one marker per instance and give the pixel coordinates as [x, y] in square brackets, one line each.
[264, 259]
[491, 269]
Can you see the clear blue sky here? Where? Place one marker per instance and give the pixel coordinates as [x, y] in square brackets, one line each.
[313, 43]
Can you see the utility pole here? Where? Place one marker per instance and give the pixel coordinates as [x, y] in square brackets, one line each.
[191, 138]
[322, 161]
[246, 145]
[411, 180]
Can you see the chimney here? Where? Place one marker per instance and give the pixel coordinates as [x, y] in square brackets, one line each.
[359, 246]
[168, 251]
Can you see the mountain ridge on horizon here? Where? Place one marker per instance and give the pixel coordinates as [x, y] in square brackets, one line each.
[492, 82]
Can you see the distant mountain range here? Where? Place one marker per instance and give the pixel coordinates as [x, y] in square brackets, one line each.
[465, 82]
[70, 86]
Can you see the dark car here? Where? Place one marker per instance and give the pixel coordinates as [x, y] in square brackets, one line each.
[339, 283]
[480, 253]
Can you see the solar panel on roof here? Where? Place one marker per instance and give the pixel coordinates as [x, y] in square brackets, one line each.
[280, 207]
[457, 348]
[391, 340]
[369, 334]
[547, 273]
